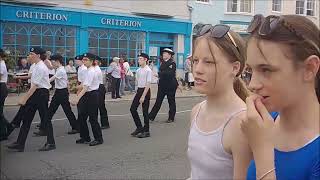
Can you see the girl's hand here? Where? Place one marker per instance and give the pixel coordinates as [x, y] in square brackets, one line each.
[258, 127]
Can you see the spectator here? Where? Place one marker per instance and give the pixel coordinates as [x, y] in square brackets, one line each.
[115, 71]
[23, 65]
[70, 68]
[188, 78]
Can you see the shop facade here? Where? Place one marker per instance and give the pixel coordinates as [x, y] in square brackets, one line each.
[70, 32]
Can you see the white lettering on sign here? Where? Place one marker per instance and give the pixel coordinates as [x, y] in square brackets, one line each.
[117, 22]
[41, 15]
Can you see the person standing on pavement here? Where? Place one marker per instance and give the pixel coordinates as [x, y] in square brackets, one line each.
[61, 95]
[3, 95]
[167, 86]
[88, 101]
[70, 67]
[115, 71]
[144, 77]
[36, 99]
[216, 146]
[128, 75]
[123, 77]
[102, 96]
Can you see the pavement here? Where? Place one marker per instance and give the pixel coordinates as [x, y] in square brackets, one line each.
[13, 98]
[161, 156]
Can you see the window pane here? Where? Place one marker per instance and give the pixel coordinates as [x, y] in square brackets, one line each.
[113, 43]
[123, 52]
[8, 39]
[132, 44]
[47, 40]
[103, 43]
[70, 52]
[93, 50]
[35, 40]
[103, 52]
[114, 53]
[22, 39]
[59, 41]
[123, 44]
[61, 51]
[70, 41]
[93, 42]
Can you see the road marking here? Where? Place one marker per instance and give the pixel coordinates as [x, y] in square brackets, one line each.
[115, 115]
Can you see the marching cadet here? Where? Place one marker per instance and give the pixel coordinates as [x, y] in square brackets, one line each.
[87, 99]
[102, 96]
[167, 86]
[3, 95]
[36, 99]
[144, 77]
[61, 95]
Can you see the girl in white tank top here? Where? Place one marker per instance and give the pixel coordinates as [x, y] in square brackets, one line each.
[217, 149]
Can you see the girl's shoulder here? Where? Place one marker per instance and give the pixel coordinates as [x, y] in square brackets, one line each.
[195, 110]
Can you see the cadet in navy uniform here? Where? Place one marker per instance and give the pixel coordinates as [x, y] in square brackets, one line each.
[88, 102]
[143, 78]
[36, 99]
[102, 96]
[167, 86]
[61, 95]
[3, 94]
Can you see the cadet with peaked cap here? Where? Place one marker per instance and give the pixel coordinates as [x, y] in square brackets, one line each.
[3, 95]
[88, 101]
[36, 99]
[61, 95]
[78, 62]
[167, 86]
[102, 96]
[143, 79]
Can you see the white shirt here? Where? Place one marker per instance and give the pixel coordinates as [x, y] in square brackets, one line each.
[91, 80]
[126, 66]
[70, 69]
[51, 71]
[3, 72]
[99, 74]
[61, 78]
[144, 76]
[82, 70]
[40, 75]
[30, 71]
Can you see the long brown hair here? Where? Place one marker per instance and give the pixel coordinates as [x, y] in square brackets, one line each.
[303, 41]
[225, 44]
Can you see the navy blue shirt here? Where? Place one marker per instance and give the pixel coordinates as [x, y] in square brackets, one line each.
[301, 164]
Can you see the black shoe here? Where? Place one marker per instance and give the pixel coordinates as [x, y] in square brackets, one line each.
[136, 132]
[82, 141]
[143, 135]
[38, 125]
[151, 120]
[15, 146]
[40, 133]
[119, 97]
[96, 142]
[169, 121]
[105, 127]
[73, 131]
[48, 147]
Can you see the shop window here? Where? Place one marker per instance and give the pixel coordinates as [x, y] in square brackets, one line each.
[19, 37]
[111, 43]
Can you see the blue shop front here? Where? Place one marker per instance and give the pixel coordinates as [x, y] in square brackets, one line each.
[70, 32]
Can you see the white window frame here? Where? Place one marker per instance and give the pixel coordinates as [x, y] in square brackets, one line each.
[281, 4]
[201, 2]
[305, 5]
[238, 8]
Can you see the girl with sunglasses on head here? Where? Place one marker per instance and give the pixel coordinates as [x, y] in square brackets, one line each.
[217, 148]
[283, 53]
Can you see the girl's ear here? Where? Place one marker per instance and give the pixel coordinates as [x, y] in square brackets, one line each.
[311, 68]
[236, 68]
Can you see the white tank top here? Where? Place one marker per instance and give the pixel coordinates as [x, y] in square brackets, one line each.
[207, 156]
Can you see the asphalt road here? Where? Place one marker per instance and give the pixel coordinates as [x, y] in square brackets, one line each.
[162, 156]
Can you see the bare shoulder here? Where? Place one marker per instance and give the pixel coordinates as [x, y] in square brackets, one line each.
[194, 111]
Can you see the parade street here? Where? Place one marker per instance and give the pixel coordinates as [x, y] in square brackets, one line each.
[161, 156]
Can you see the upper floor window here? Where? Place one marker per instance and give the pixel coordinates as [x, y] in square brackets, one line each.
[240, 6]
[203, 1]
[276, 5]
[305, 7]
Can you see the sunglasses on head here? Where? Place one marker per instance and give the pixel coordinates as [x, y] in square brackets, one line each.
[218, 31]
[266, 26]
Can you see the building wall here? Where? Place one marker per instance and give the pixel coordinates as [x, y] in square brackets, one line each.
[177, 9]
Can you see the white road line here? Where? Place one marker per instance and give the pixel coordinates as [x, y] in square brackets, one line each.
[115, 115]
